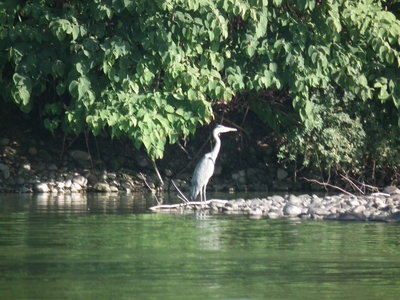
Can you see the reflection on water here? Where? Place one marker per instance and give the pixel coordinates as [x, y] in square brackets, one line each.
[99, 246]
[95, 203]
[79, 203]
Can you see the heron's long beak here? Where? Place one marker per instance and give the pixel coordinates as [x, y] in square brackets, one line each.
[227, 129]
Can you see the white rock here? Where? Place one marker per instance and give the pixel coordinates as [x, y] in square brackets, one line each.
[41, 187]
[80, 180]
[359, 209]
[295, 200]
[354, 202]
[292, 210]
[75, 187]
[114, 189]
[68, 183]
[26, 166]
[273, 215]
[102, 187]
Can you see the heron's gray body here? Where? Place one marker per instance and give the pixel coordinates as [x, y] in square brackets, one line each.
[205, 168]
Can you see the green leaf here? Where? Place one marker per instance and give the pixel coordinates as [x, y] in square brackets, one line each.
[58, 68]
[75, 32]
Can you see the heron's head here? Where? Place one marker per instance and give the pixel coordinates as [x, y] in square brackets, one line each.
[222, 129]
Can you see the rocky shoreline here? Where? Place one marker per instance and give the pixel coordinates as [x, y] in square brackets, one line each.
[383, 207]
[34, 167]
[30, 164]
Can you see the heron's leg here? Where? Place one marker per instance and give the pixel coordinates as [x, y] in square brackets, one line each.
[201, 194]
[205, 188]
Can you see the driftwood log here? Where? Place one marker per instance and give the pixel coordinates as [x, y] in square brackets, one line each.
[189, 206]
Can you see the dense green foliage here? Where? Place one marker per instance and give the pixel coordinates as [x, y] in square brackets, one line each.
[152, 70]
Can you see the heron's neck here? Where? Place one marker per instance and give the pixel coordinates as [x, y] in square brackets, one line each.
[217, 146]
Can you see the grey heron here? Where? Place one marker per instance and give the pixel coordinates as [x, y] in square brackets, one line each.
[205, 168]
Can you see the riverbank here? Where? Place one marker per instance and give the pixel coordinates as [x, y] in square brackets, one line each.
[37, 162]
[32, 162]
[383, 206]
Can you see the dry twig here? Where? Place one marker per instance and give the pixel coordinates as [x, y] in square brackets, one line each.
[181, 195]
[325, 184]
[153, 191]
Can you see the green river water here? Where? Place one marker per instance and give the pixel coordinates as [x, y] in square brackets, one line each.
[101, 247]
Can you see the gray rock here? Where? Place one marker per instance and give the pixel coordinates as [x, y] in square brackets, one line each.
[52, 167]
[32, 150]
[292, 210]
[79, 155]
[217, 204]
[4, 141]
[103, 176]
[25, 189]
[142, 161]
[5, 170]
[41, 187]
[102, 187]
[20, 181]
[396, 198]
[395, 217]
[281, 174]
[379, 216]
[168, 172]
[111, 176]
[392, 190]
[44, 156]
[127, 186]
[350, 216]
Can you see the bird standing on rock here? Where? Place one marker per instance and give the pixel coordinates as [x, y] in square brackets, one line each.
[205, 168]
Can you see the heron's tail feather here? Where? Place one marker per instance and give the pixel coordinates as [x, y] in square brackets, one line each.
[194, 192]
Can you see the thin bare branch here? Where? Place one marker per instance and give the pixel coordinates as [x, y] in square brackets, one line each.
[325, 184]
[157, 172]
[346, 178]
[182, 196]
[153, 191]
